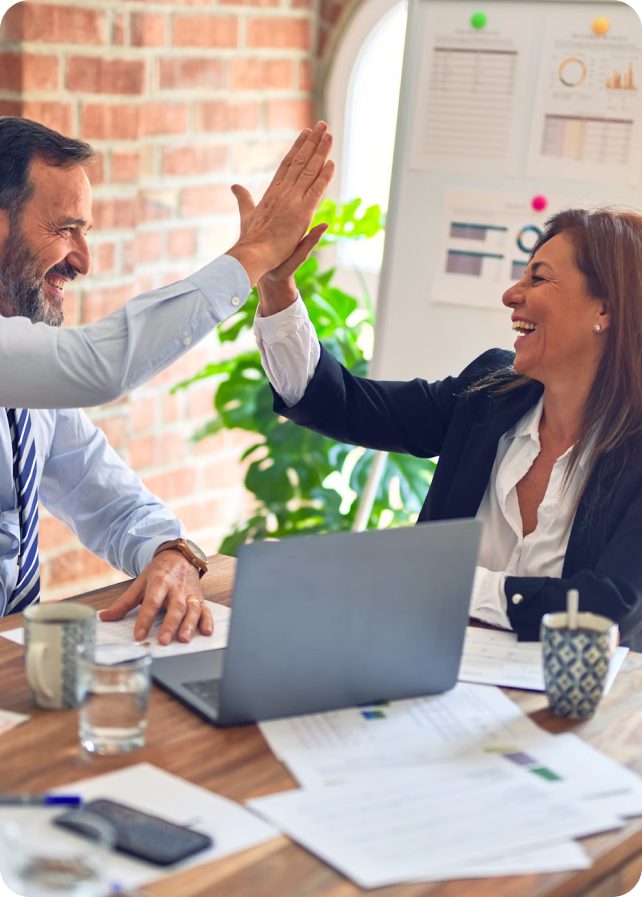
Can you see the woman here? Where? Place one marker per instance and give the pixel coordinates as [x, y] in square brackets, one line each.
[543, 446]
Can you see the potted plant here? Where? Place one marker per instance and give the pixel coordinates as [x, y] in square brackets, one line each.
[303, 482]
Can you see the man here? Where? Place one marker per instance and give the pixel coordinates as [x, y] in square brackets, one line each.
[59, 456]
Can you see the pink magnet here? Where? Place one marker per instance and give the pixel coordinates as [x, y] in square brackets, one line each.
[539, 203]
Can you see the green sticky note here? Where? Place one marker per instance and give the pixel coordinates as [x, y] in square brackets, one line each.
[546, 773]
[478, 19]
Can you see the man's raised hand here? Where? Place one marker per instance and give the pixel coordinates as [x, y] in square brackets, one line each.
[273, 228]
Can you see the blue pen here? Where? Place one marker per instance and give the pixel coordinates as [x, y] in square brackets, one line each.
[40, 800]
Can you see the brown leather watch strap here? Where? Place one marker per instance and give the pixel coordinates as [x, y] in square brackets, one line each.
[190, 551]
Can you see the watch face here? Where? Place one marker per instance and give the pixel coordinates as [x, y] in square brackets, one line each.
[195, 548]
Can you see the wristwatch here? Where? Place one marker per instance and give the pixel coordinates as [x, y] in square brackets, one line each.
[190, 550]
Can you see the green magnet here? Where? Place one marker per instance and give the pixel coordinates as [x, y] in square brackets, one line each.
[478, 20]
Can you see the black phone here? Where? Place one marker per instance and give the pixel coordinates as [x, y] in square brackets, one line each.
[138, 834]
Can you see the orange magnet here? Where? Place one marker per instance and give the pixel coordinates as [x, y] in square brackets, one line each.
[600, 25]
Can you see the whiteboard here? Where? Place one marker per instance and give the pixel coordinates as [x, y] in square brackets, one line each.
[535, 104]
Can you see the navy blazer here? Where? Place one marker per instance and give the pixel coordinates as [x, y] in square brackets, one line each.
[604, 554]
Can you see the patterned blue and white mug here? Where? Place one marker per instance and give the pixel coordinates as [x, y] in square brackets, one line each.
[576, 661]
[52, 635]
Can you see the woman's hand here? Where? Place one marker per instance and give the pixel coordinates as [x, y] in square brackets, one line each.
[277, 288]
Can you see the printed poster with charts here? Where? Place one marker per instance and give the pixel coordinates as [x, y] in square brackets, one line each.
[487, 239]
[588, 109]
[469, 90]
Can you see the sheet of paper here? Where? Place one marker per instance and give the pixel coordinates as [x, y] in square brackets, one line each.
[467, 99]
[151, 789]
[9, 719]
[121, 633]
[465, 717]
[496, 658]
[587, 117]
[485, 244]
[329, 748]
[567, 767]
[428, 825]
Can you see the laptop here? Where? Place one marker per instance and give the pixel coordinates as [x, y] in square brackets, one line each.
[327, 621]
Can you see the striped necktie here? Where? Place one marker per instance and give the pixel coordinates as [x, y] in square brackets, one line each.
[25, 474]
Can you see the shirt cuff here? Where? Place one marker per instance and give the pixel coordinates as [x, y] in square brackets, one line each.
[488, 602]
[223, 275]
[278, 327]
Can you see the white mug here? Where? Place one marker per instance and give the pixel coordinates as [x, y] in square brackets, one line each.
[52, 635]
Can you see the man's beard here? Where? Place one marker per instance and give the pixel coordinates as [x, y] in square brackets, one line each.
[21, 284]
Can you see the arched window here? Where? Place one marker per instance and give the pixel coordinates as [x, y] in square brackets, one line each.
[362, 95]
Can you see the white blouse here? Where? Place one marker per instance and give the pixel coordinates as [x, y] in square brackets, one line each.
[290, 353]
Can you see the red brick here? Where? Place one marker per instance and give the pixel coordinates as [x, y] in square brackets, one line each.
[182, 3]
[53, 533]
[173, 484]
[199, 513]
[261, 74]
[199, 401]
[205, 31]
[207, 199]
[114, 213]
[172, 407]
[72, 305]
[10, 107]
[189, 73]
[306, 76]
[331, 11]
[279, 33]
[182, 243]
[94, 75]
[125, 166]
[258, 155]
[146, 452]
[104, 258]
[142, 413]
[96, 170]
[289, 114]
[156, 205]
[71, 566]
[118, 30]
[39, 72]
[54, 24]
[100, 302]
[28, 71]
[148, 29]
[116, 429]
[163, 118]
[149, 246]
[110, 122]
[249, 2]
[219, 116]
[191, 160]
[54, 115]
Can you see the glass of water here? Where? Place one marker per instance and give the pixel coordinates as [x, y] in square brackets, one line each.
[113, 694]
[39, 859]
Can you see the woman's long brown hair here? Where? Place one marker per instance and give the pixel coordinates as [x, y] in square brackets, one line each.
[608, 252]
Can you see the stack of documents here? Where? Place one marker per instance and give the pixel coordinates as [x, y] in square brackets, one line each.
[450, 786]
[493, 657]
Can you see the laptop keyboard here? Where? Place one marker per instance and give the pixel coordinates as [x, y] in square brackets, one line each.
[207, 690]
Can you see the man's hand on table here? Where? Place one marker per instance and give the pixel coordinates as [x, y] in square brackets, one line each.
[169, 581]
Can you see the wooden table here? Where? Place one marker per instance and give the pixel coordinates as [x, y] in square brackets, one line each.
[44, 753]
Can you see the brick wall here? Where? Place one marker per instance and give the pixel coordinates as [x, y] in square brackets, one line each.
[180, 98]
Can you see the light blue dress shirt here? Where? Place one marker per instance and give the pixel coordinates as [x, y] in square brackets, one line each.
[58, 367]
[83, 481]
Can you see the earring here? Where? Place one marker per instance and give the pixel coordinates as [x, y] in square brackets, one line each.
[597, 328]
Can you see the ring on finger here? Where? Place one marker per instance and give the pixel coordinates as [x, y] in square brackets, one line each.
[192, 601]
